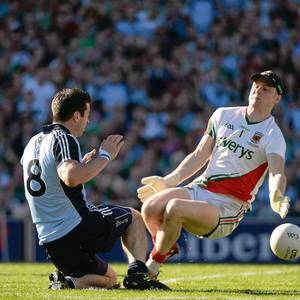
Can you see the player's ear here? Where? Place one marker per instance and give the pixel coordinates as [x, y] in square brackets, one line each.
[76, 116]
[278, 98]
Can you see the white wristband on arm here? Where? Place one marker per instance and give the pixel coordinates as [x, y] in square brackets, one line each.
[104, 154]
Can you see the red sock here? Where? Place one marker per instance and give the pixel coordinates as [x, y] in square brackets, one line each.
[153, 239]
[160, 257]
[155, 255]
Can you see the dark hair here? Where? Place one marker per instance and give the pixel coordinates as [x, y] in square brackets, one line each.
[67, 101]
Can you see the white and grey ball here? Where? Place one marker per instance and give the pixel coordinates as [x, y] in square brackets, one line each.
[285, 241]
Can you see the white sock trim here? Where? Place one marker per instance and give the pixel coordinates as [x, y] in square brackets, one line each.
[71, 279]
[153, 266]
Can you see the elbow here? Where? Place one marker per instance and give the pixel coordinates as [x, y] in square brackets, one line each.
[71, 181]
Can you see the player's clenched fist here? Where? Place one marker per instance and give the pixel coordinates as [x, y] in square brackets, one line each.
[112, 144]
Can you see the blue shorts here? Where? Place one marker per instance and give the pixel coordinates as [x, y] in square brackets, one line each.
[75, 253]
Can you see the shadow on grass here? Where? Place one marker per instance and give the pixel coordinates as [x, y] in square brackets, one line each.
[243, 291]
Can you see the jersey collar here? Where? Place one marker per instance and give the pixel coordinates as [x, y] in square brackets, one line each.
[249, 122]
[48, 128]
[253, 123]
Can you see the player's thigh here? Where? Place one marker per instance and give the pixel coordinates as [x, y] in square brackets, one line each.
[105, 225]
[157, 204]
[70, 257]
[197, 217]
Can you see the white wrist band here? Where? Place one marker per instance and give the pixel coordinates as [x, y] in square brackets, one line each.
[104, 154]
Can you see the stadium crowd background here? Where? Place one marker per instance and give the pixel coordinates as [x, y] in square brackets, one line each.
[156, 71]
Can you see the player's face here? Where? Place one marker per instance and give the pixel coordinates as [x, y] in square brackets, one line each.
[263, 96]
[83, 121]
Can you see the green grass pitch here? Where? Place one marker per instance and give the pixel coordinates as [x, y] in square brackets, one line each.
[188, 281]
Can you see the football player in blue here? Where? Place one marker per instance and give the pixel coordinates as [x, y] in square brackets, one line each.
[70, 229]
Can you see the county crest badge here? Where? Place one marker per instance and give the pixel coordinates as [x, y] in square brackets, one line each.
[256, 137]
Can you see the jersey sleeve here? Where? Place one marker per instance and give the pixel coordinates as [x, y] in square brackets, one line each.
[212, 124]
[65, 148]
[275, 143]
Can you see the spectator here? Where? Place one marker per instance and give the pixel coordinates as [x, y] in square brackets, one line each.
[154, 70]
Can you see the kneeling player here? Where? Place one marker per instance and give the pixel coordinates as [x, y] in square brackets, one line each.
[71, 230]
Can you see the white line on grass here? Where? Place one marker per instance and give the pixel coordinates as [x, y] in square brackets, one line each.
[139, 298]
[222, 275]
[103, 297]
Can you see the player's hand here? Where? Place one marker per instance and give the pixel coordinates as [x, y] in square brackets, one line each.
[89, 156]
[152, 185]
[280, 203]
[112, 144]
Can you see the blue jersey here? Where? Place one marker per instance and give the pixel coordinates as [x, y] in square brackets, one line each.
[55, 208]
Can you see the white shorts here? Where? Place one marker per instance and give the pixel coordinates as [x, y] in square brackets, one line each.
[231, 211]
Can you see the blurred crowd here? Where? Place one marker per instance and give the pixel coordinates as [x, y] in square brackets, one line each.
[156, 71]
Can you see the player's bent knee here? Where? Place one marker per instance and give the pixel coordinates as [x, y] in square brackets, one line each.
[173, 210]
[148, 209]
[135, 214]
[137, 219]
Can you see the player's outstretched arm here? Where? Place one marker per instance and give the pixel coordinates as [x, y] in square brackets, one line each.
[188, 167]
[73, 173]
[277, 184]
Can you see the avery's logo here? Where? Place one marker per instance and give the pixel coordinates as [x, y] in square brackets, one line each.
[235, 147]
[256, 137]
